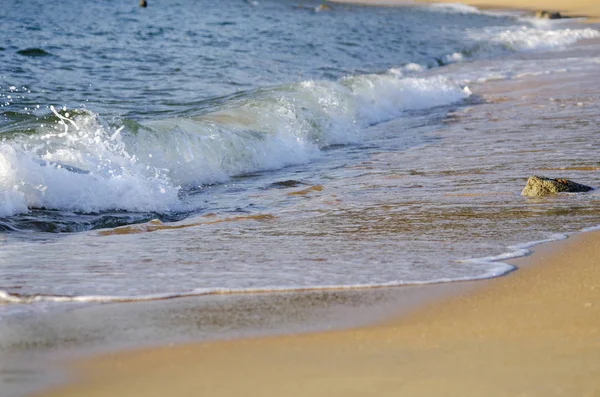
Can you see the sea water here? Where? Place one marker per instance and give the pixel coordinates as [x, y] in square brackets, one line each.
[201, 147]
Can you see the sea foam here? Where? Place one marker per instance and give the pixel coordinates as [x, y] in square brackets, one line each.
[78, 162]
[498, 41]
[528, 38]
[454, 8]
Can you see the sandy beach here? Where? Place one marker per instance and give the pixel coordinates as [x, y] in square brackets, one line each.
[532, 332]
[579, 8]
[535, 332]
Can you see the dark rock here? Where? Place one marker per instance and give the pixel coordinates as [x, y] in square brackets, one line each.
[34, 52]
[541, 186]
[548, 14]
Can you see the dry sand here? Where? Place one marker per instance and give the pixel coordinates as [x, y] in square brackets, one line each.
[588, 8]
[535, 332]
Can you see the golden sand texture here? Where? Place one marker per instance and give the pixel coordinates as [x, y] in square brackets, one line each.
[588, 8]
[535, 332]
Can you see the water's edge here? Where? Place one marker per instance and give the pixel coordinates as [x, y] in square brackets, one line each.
[309, 312]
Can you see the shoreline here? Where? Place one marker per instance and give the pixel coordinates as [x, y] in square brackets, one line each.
[128, 371]
[534, 331]
[588, 9]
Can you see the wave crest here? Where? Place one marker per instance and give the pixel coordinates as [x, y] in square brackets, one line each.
[76, 161]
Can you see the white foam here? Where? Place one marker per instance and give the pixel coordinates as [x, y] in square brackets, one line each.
[81, 164]
[12, 200]
[408, 69]
[493, 269]
[454, 57]
[79, 171]
[497, 41]
[383, 97]
[459, 8]
[527, 38]
[454, 8]
[515, 251]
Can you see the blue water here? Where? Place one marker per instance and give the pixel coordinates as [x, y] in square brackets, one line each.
[198, 147]
[175, 57]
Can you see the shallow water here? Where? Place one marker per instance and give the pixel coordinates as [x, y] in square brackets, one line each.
[233, 148]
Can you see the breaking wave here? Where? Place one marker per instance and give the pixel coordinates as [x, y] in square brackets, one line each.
[74, 160]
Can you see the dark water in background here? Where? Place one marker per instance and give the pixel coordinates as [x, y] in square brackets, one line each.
[174, 57]
[271, 147]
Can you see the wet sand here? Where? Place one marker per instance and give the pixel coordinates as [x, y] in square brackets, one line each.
[575, 8]
[535, 332]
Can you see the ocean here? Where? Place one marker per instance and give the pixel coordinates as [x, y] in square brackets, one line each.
[198, 148]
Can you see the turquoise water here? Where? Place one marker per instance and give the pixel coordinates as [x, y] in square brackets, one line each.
[197, 147]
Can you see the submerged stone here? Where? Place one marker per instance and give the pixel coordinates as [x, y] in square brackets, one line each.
[541, 186]
[286, 184]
